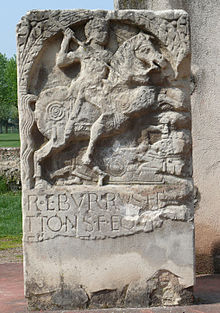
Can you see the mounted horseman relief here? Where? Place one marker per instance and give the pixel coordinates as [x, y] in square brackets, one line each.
[104, 102]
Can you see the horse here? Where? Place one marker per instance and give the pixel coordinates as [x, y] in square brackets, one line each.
[124, 94]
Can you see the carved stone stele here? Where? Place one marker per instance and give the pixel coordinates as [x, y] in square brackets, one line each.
[104, 104]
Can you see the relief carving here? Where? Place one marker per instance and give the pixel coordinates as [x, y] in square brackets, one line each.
[110, 81]
[104, 101]
[104, 104]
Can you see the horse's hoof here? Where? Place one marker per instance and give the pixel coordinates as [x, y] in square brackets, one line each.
[67, 135]
[100, 181]
[41, 184]
[86, 160]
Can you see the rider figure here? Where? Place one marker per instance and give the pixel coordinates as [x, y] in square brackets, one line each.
[94, 61]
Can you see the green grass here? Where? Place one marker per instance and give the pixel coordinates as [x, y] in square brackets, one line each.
[10, 242]
[10, 220]
[9, 140]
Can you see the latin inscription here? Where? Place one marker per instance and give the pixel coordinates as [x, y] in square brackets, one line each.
[88, 215]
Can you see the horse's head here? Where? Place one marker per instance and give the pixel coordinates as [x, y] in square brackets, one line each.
[146, 52]
[134, 61]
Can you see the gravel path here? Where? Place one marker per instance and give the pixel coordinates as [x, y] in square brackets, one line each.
[13, 255]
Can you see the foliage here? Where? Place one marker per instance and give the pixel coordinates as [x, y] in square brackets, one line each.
[11, 81]
[3, 185]
[9, 183]
[8, 91]
[10, 179]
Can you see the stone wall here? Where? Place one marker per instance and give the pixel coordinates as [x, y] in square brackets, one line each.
[205, 29]
[10, 167]
[9, 154]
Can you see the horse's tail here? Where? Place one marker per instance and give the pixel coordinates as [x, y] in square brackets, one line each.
[27, 121]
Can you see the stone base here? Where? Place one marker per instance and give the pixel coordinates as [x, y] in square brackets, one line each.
[163, 289]
[104, 274]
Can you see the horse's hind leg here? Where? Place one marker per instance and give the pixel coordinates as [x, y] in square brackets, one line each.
[57, 141]
[39, 156]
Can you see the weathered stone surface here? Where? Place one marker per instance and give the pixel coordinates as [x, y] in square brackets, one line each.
[104, 102]
[205, 28]
[149, 4]
[130, 4]
[10, 167]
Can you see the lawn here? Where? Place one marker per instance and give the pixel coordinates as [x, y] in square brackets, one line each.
[10, 204]
[10, 220]
[9, 140]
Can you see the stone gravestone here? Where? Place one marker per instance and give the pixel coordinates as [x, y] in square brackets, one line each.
[104, 102]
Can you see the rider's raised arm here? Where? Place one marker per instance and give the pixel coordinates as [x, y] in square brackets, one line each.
[65, 58]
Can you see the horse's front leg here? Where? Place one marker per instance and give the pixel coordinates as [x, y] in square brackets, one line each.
[104, 124]
[97, 129]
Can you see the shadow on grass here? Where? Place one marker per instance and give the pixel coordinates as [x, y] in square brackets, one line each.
[17, 140]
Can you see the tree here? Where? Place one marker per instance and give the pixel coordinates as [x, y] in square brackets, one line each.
[3, 91]
[8, 91]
